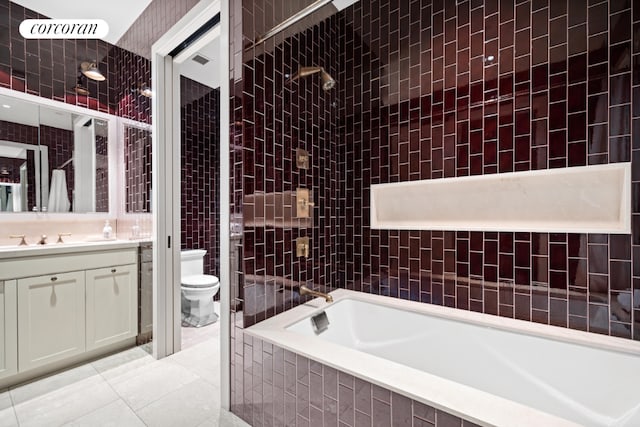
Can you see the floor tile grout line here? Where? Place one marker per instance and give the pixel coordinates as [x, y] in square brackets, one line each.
[164, 395]
[123, 401]
[192, 343]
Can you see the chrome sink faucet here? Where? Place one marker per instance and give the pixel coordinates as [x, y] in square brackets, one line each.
[306, 291]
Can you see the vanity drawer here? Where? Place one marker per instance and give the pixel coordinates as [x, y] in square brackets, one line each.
[36, 266]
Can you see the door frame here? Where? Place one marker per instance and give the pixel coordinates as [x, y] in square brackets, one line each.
[166, 187]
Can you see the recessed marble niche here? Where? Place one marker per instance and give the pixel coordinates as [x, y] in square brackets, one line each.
[588, 199]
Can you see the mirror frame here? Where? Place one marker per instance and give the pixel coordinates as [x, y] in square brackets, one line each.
[114, 148]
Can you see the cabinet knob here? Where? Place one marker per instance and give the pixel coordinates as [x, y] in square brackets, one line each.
[113, 270]
[54, 278]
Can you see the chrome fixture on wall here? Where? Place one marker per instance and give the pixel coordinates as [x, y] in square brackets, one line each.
[328, 82]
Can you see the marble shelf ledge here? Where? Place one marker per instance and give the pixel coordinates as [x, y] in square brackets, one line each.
[587, 199]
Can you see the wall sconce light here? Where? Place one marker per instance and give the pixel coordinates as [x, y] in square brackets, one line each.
[79, 88]
[90, 69]
[143, 90]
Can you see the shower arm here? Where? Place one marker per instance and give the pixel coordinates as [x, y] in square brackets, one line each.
[289, 21]
[305, 71]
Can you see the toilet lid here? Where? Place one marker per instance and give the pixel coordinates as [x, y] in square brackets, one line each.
[199, 281]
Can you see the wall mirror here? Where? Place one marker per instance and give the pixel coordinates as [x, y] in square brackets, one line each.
[52, 159]
[137, 168]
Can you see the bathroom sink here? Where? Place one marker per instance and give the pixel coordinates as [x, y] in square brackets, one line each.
[12, 251]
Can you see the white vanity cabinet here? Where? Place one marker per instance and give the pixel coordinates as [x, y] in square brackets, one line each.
[112, 305]
[9, 329]
[51, 313]
[62, 305]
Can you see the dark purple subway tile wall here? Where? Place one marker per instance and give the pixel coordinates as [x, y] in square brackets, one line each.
[137, 163]
[285, 388]
[102, 173]
[428, 90]
[60, 143]
[60, 149]
[279, 116]
[10, 169]
[443, 89]
[200, 182]
[51, 68]
[48, 68]
[10, 131]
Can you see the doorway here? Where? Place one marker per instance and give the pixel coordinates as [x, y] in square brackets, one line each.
[192, 34]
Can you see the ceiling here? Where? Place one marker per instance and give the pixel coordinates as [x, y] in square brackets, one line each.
[119, 14]
[209, 73]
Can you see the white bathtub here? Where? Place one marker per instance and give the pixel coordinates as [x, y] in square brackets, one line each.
[487, 369]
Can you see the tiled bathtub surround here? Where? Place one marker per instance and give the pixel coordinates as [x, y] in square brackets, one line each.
[288, 389]
[438, 89]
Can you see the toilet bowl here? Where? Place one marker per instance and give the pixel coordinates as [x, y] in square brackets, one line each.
[197, 289]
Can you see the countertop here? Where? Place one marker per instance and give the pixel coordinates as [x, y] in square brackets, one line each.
[8, 252]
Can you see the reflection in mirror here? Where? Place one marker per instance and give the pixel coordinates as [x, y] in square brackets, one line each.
[137, 159]
[20, 157]
[52, 159]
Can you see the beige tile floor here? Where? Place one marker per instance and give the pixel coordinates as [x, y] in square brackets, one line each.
[129, 389]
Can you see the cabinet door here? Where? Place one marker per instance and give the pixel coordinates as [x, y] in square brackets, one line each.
[9, 331]
[112, 305]
[50, 318]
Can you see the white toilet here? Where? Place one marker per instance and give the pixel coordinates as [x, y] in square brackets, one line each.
[198, 289]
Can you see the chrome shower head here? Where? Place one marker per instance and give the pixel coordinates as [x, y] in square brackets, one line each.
[328, 82]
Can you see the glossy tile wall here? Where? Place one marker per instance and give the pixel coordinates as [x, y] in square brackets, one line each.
[200, 182]
[102, 173]
[60, 143]
[279, 116]
[271, 119]
[50, 68]
[26, 134]
[60, 149]
[137, 162]
[440, 89]
[443, 89]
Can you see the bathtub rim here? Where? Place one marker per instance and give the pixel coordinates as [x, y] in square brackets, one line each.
[449, 396]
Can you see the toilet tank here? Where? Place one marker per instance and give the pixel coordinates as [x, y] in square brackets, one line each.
[191, 262]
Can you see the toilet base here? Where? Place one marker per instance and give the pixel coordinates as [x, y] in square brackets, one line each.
[197, 322]
[197, 313]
